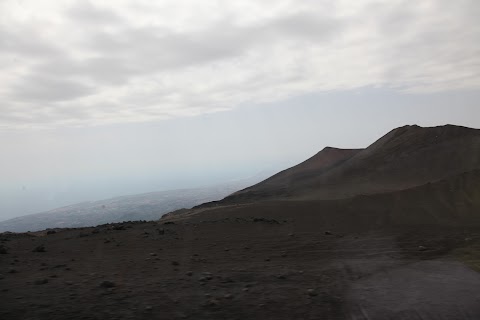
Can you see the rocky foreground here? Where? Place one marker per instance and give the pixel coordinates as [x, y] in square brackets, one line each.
[241, 266]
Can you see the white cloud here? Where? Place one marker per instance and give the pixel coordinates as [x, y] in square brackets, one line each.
[90, 63]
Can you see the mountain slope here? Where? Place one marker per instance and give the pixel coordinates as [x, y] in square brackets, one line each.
[283, 182]
[450, 202]
[405, 157]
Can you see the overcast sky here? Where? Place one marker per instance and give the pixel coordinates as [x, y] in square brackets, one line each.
[106, 98]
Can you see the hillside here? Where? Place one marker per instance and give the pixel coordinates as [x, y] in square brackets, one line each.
[282, 183]
[405, 157]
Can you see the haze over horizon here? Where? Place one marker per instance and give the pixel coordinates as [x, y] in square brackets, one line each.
[101, 99]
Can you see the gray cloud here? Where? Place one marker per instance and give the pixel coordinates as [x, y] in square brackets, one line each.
[42, 89]
[156, 63]
[302, 25]
[25, 42]
[140, 51]
[88, 14]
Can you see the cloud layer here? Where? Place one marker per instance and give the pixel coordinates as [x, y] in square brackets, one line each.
[80, 63]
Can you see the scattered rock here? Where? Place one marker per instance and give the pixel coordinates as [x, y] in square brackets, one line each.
[3, 249]
[207, 275]
[12, 271]
[40, 281]
[40, 248]
[328, 233]
[271, 221]
[228, 296]
[189, 273]
[107, 284]
[312, 292]
[175, 263]
[153, 254]
[211, 303]
[227, 280]
[422, 248]
[148, 308]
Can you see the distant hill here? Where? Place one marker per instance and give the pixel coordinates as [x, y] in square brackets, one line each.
[148, 206]
[404, 158]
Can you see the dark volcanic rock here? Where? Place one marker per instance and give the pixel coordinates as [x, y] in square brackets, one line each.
[3, 249]
[40, 281]
[40, 248]
[107, 284]
[272, 221]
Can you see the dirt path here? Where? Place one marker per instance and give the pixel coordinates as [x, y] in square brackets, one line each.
[435, 289]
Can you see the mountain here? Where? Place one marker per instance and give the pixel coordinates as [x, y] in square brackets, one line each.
[405, 157]
[282, 183]
[147, 206]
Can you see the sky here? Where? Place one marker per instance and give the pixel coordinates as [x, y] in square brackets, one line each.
[106, 98]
